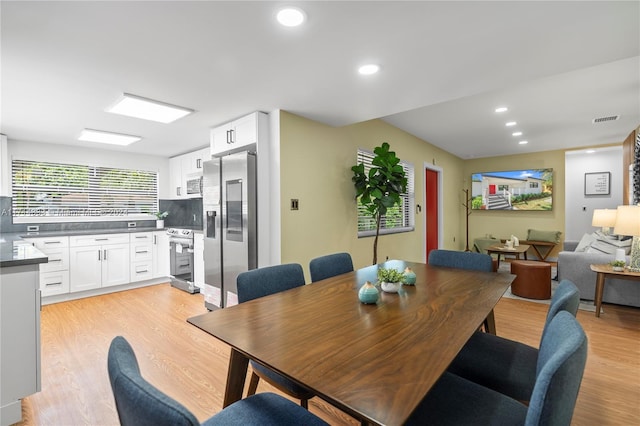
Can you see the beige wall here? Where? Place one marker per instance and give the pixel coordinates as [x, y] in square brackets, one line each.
[502, 224]
[315, 168]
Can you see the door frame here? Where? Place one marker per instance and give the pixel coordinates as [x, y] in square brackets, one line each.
[438, 170]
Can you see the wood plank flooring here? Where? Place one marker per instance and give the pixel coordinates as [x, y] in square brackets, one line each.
[191, 366]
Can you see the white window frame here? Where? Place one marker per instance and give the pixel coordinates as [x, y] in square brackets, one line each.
[408, 199]
[84, 203]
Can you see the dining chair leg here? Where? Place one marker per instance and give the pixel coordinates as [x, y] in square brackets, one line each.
[253, 384]
[304, 403]
[490, 323]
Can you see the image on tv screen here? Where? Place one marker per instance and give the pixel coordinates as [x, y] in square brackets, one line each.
[530, 189]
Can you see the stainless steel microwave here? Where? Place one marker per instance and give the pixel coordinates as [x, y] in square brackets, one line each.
[194, 186]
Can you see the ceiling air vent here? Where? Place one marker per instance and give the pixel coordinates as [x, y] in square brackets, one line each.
[603, 119]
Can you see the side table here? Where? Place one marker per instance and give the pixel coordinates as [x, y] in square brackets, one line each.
[605, 271]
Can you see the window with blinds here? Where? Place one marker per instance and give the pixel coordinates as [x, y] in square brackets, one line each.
[56, 192]
[401, 217]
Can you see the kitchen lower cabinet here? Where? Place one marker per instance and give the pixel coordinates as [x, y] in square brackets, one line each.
[54, 275]
[99, 261]
[141, 256]
[161, 262]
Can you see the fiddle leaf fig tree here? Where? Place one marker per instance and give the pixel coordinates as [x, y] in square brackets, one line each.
[380, 188]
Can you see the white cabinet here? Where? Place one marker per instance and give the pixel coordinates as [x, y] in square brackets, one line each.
[19, 339]
[239, 133]
[141, 254]
[198, 259]
[98, 261]
[54, 275]
[161, 267]
[185, 171]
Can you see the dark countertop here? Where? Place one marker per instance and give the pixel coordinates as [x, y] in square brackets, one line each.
[14, 251]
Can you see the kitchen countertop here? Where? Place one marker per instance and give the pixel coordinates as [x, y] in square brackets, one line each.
[14, 251]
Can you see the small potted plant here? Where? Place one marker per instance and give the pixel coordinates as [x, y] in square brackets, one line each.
[160, 219]
[618, 265]
[390, 279]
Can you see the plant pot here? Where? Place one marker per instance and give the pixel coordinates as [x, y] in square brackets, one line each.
[390, 287]
[618, 268]
[159, 224]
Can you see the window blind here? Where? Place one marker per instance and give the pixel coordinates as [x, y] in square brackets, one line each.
[77, 192]
[401, 217]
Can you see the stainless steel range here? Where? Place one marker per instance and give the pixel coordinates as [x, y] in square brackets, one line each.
[181, 259]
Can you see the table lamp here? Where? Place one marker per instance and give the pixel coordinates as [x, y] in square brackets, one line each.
[628, 223]
[606, 218]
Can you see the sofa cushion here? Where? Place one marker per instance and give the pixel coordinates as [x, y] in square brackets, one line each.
[550, 236]
[585, 242]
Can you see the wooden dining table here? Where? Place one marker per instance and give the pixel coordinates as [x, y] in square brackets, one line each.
[375, 362]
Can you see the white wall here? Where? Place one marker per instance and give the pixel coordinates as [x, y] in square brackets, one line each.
[579, 207]
[91, 156]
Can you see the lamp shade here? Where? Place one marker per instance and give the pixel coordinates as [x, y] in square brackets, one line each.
[627, 221]
[604, 217]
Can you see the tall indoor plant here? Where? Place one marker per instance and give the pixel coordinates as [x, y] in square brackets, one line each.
[380, 188]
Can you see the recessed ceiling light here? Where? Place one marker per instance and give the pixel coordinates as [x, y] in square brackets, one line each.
[369, 69]
[99, 136]
[510, 123]
[148, 109]
[502, 109]
[523, 142]
[516, 134]
[290, 17]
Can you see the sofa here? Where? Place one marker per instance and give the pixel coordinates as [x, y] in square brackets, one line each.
[574, 265]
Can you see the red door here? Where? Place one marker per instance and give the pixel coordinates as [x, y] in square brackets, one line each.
[492, 189]
[431, 209]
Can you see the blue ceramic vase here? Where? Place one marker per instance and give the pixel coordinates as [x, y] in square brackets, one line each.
[368, 293]
[409, 277]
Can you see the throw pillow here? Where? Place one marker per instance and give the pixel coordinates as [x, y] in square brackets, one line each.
[585, 242]
[550, 236]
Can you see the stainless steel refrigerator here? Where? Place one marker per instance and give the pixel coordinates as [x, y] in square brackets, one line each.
[229, 204]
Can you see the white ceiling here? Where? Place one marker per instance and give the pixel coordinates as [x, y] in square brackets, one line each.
[445, 66]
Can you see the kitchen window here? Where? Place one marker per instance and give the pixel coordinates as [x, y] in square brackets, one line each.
[399, 218]
[55, 192]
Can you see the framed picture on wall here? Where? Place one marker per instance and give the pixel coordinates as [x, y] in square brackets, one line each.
[597, 183]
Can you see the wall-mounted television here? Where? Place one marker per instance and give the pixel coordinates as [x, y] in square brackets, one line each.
[530, 189]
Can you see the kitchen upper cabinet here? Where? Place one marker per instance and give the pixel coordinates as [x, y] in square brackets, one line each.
[98, 261]
[239, 133]
[185, 173]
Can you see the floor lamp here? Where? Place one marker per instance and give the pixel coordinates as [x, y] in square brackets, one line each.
[628, 223]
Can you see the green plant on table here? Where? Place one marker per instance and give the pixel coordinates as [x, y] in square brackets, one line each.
[390, 275]
[162, 215]
[618, 263]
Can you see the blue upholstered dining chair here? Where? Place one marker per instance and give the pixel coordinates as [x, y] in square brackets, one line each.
[507, 366]
[461, 260]
[454, 400]
[263, 282]
[330, 265]
[139, 403]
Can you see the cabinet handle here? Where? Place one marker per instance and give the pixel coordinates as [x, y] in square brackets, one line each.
[142, 272]
[58, 283]
[155, 239]
[53, 242]
[198, 163]
[99, 255]
[101, 239]
[178, 190]
[144, 251]
[105, 255]
[55, 260]
[231, 138]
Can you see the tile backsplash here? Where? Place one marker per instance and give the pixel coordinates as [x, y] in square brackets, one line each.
[182, 213]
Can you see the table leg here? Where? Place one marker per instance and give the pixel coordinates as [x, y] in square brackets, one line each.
[490, 323]
[498, 253]
[236, 375]
[599, 292]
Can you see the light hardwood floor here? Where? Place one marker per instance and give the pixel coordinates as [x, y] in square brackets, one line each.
[191, 366]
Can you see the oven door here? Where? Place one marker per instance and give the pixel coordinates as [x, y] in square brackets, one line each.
[181, 259]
